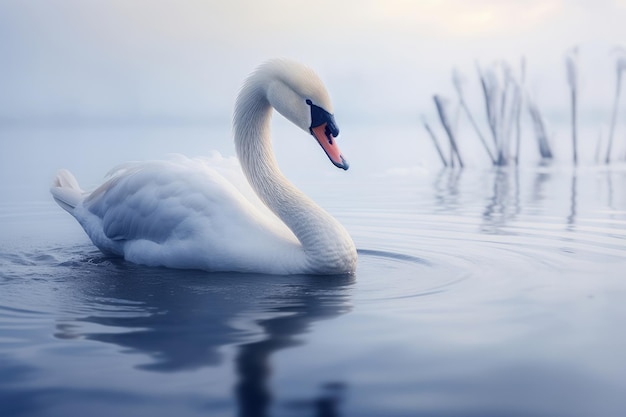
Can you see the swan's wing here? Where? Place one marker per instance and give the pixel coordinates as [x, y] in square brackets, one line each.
[229, 168]
[152, 200]
[184, 214]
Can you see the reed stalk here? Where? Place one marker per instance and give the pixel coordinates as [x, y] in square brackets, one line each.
[508, 105]
[456, 80]
[500, 106]
[620, 67]
[520, 90]
[572, 80]
[435, 142]
[510, 122]
[514, 121]
[443, 117]
[540, 130]
[487, 85]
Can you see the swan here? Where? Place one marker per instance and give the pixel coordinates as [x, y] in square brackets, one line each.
[182, 213]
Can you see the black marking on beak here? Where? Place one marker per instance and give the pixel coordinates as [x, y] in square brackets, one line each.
[319, 116]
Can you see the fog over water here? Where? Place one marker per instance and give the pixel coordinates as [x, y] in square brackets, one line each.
[183, 61]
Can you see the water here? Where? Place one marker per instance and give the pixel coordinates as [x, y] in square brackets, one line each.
[477, 293]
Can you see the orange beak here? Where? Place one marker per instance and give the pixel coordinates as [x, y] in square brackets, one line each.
[327, 142]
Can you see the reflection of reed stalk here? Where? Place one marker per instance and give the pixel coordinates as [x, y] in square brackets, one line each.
[621, 66]
[570, 63]
[435, 141]
[446, 125]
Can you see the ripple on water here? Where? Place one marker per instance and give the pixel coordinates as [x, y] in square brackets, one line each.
[420, 252]
[388, 275]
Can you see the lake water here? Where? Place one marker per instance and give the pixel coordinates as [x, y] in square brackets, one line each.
[480, 292]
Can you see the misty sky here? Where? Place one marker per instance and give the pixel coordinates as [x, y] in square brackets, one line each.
[382, 60]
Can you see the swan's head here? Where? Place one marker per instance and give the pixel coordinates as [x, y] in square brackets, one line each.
[296, 92]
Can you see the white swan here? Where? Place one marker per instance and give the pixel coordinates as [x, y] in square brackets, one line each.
[183, 214]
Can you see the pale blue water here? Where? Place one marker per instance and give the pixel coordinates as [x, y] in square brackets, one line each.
[478, 293]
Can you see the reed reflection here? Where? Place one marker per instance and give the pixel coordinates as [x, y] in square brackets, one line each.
[504, 203]
[506, 194]
[446, 188]
[540, 179]
[571, 218]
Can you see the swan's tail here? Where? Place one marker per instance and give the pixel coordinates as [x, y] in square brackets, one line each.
[66, 191]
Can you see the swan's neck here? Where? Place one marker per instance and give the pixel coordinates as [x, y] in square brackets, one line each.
[327, 246]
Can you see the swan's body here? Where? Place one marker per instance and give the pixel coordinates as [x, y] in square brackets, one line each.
[184, 214]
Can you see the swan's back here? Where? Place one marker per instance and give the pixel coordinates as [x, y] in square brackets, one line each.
[181, 214]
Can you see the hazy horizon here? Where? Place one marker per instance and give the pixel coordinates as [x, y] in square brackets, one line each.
[68, 60]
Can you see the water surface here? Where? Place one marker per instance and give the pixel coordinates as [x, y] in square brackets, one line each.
[477, 293]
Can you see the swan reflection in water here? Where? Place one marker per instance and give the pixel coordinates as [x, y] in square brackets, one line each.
[182, 320]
